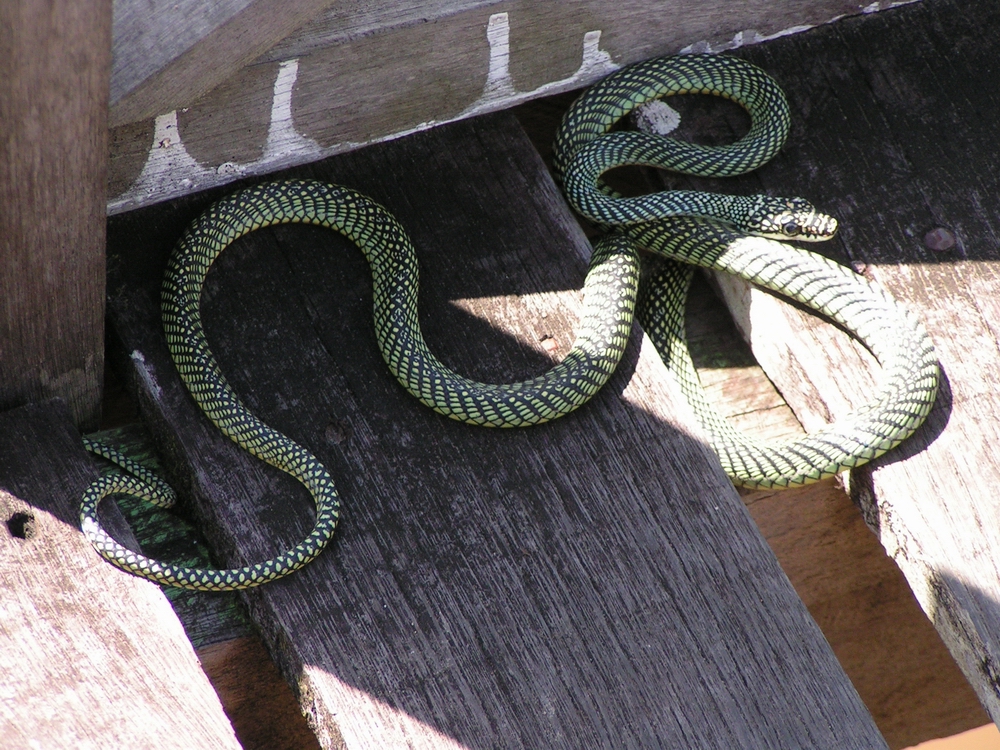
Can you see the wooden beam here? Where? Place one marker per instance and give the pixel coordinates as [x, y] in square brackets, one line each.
[167, 54]
[571, 584]
[54, 64]
[364, 72]
[90, 656]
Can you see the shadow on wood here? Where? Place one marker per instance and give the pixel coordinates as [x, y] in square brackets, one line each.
[585, 580]
[90, 656]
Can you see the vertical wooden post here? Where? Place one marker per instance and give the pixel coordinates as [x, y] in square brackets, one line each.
[55, 58]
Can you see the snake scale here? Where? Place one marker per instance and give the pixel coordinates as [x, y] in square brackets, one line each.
[735, 234]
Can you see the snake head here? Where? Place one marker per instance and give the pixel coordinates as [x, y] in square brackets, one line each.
[789, 219]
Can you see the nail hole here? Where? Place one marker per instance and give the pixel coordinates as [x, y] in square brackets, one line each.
[21, 525]
[337, 432]
[939, 239]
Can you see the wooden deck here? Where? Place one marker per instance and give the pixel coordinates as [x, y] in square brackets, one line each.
[90, 655]
[595, 582]
[547, 575]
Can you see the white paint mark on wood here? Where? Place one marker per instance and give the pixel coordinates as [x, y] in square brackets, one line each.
[169, 169]
[498, 80]
[741, 39]
[282, 137]
[500, 90]
[874, 7]
[752, 36]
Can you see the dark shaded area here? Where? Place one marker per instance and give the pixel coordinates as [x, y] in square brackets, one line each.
[21, 525]
[591, 582]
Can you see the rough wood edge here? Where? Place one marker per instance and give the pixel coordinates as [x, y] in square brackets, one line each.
[170, 171]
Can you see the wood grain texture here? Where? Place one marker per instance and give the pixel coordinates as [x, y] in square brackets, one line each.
[593, 582]
[892, 133]
[167, 54]
[363, 72]
[258, 701]
[857, 595]
[54, 62]
[91, 656]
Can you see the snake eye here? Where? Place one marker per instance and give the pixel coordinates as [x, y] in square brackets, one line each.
[790, 228]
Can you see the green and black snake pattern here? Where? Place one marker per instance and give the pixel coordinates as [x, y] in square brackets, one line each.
[738, 235]
[610, 291]
[707, 230]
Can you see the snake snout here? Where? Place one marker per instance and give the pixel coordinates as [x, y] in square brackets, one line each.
[815, 227]
[792, 219]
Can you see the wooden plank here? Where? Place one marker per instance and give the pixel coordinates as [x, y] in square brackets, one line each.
[891, 134]
[262, 707]
[255, 697]
[92, 657]
[857, 595]
[167, 54]
[573, 584]
[53, 172]
[861, 601]
[365, 72]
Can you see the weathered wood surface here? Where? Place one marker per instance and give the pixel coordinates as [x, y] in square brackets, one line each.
[363, 72]
[54, 63]
[893, 133]
[91, 657]
[257, 700]
[857, 595]
[593, 582]
[167, 54]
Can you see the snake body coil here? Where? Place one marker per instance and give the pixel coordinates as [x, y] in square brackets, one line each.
[705, 229]
[610, 290]
[737, 235]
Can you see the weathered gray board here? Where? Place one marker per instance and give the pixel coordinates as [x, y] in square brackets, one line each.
[171, 53]
[894, 132]
[53, 156]
[90, 657]
[189, 113]
[593, 582]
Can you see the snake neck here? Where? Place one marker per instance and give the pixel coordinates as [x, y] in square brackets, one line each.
[731, 209]
[618, 211]
[758, 215]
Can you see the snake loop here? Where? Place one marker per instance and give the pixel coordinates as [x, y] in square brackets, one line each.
[610, 291]
[737, 235]
[727, 233]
